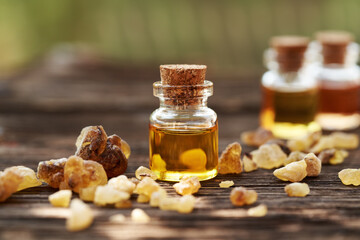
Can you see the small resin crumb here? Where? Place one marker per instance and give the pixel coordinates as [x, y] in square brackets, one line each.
[226, 184]
[333, 156]
[229, 161]
[61, 198]
[313, 165]
[258, 211]
[293, 172]
[142, 198]
[122, 183]
[194, 159]
[187, 185]
[345, 140]
[186, 204]
[157, 196]
[108, 195]
[81, 216]
[297, 189]
[294, 157]
[249, 164]
[241, 196]
[143, 172]
[123, 204]
[304, 143]
[139, 216]
[117, 218]
[87, 194]
[147, 186]
[269, 156]
[350, 176]
[257, 137]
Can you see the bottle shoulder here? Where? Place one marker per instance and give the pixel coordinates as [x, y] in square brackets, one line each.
[349, 74]
[189, 118]
[294, 81]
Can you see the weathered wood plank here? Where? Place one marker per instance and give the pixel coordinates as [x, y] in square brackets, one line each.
[43, 114]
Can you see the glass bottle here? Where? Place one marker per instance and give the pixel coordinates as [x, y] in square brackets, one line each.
[339, 80]
[183, 137]
[289, 90]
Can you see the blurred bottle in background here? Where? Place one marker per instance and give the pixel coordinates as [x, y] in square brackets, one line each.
[289, 89]
[339, 80]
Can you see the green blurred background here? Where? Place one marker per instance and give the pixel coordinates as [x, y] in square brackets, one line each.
[227, 35]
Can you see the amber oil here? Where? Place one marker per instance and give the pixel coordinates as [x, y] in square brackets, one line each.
[175, 153]
[289, 114]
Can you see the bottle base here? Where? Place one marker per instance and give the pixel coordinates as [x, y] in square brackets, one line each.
[336, 121]
[175, 176]
[286, 130]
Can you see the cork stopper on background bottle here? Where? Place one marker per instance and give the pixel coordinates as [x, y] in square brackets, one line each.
[334, 45]
[183, 84]
[290, 51]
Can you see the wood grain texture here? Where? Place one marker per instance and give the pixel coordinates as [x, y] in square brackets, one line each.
[43, 111]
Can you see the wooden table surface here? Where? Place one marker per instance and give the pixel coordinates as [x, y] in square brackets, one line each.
[43, 109]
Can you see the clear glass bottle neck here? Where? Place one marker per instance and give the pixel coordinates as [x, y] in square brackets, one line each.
[183, 103]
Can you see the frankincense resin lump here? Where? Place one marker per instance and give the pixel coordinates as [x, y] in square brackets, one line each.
[313, 165]
[249, 164]
[258, 211]
[81, 216]
[73, 173]
[187, 185]
[293, 172]
[241, 196]
[94, 144]
[60, 198]
[142, 172]
[297, 189]
[350, 176]
[229, 161]
[269, 156]
[256, 138]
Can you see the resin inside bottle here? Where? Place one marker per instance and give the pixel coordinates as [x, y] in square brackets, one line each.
[183, 131]
[179, 152]
[289, 91]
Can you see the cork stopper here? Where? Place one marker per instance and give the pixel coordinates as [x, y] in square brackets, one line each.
[334, 45]
[183, 84]
[290, 51]
[182, 74]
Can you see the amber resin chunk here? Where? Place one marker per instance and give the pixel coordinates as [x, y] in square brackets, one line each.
[297, 189]
[293, 172]
[187, 185]
[29, 177]
[229, 161]
[73, 173]
[241, 196]
[269, 156]
[249, 164]
[142, 172]
[333, 156]
[52, 171]
[258, 211]
[257, 138]
[60, 198]
[94, 144]
[350, 176]
[339, 140]
[313, 165]
[304, 143]
[147, 186]
[294, 157]
[139, 216]
[10, 180]
[81, 216]
[226, 184]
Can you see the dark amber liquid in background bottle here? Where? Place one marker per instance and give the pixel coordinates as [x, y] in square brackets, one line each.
[339, 104]
[175, 153]
[289, 113]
